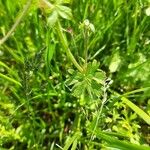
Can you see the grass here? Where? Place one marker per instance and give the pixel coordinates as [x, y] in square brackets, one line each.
[74, 74]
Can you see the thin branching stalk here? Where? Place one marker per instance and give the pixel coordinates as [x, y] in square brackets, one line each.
[101, 108]
[16, 23]
[65, 46]
[86, 47]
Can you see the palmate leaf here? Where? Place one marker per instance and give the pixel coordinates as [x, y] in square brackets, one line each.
[56, 10]
[92, 67]
[89, 83]
[78, 89]
[52, 18]
[64, 12]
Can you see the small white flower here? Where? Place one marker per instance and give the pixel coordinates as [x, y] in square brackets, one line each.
[147, 11]
[92, 28]
[87, 25]
[86, 22]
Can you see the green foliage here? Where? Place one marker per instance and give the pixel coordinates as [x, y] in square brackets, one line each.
[88, 84]
[7, 131]
[115, 143]
[72, 141]
[74, 74]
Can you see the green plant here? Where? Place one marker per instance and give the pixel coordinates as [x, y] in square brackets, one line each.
[74, 74]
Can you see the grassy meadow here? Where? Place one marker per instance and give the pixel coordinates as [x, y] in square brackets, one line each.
[74, 75]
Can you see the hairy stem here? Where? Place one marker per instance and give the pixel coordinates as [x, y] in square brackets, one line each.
[64, 40]
[65, 46]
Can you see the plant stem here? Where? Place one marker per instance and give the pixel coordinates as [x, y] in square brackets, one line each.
[48, 3]
[86, 46]
[16, 23]
[66, 48]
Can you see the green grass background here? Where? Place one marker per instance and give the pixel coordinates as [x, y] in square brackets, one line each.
[38, 110]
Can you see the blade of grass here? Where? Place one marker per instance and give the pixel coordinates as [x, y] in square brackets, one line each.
[9, 69]
[16, 23]
[136, 91]
[49, 50]
[74, 145]
[10, 79]
[71, 140]
[16, 57]
[137, 110]
[115, 143]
